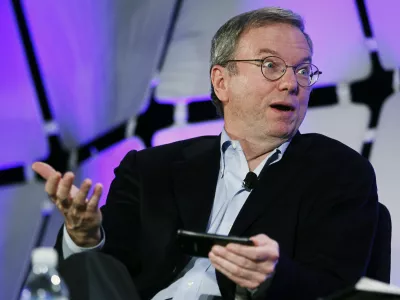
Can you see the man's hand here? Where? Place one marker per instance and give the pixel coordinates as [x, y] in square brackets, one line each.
[82, 215]
[247, 266]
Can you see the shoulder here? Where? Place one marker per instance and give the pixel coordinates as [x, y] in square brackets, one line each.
[333, 155]
[172, 151]
[175, 149]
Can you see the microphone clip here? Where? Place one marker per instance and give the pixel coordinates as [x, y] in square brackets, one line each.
[250, 181]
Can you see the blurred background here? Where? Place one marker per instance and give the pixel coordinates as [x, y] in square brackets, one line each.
[82, 82]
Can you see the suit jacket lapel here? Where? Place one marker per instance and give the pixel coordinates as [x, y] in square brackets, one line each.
[272, 181]
[195, 180]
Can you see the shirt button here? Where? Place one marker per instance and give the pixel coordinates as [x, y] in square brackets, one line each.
[190, 283]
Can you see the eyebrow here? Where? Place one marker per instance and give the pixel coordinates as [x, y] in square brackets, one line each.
[273, 52]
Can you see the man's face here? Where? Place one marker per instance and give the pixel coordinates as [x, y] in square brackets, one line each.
[253, 104]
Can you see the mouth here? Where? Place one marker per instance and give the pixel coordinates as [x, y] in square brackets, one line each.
[282, 107]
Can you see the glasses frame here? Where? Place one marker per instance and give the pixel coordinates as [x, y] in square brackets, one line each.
[262, 60]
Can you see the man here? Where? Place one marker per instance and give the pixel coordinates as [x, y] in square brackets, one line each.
[312, 215]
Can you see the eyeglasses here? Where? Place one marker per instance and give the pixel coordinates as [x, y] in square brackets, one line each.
[273, 68]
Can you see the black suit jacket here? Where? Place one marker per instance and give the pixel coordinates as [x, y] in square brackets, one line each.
[319, 202]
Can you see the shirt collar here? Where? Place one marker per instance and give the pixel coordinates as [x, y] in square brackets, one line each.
[226, 142]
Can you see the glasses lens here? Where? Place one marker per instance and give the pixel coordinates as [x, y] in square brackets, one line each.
[273, 67]
[307, 74]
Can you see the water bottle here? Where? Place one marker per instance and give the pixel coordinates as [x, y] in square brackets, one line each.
[44, 282]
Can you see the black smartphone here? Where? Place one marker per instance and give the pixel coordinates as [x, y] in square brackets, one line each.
[200, 244]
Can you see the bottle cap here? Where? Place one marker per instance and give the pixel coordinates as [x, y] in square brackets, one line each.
[45, 256]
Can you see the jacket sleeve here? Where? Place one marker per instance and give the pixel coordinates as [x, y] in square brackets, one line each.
[121, 215]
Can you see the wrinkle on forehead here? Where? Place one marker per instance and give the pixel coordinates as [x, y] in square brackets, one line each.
[285, 40]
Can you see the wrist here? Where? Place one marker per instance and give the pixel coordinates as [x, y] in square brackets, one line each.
[85, 239]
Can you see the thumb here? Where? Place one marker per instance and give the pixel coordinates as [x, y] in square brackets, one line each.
[43, 169]
[260, 239]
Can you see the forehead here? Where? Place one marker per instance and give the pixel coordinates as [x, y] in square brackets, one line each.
[283, 40]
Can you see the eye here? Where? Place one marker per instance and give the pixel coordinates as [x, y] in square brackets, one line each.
[304, 70]
[274, 65]
[269, 64]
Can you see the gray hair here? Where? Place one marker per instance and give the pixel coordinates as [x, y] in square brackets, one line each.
[226, 39]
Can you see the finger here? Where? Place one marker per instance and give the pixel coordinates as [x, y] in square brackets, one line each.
[221, 266]
[64, 188]
[256, 253]
[261, 239]
[221, 256]
[52, 184]
[43, 169]
[235, 258]
[94, 200]
[265, 267]
[79, 201]
[74, 191]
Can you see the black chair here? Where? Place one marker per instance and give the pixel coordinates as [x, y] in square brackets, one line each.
[379, 265]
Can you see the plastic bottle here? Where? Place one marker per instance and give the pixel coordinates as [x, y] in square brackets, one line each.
[44, 282]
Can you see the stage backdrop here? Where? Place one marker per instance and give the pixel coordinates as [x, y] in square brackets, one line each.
[82, 82]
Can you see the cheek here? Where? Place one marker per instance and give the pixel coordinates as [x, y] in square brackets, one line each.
[251, 93]
[237, 87]
[261, 95]
[243, 92]
[304, 98]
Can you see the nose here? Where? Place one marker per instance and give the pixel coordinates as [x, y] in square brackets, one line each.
[288, 82]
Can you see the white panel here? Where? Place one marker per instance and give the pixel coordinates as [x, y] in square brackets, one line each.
[177, 133]
[335, 28]
[98, 58]
[54, 223]
[100, 168]
[185, 73]
[385, 157]
[340, 50]
[346, 123]
[20, 219]
[385, 23]
[22, 134]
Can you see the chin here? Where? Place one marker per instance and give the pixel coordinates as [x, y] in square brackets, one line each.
[282, 127]
[283, 132]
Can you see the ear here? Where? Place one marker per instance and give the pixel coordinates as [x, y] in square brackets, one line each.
[219, 77]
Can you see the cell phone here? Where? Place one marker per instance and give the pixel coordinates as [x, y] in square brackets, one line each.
[200, 244]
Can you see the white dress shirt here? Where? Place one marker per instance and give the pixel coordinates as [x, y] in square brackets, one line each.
[198, 279]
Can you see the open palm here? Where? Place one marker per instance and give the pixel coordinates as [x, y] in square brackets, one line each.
[82, 215]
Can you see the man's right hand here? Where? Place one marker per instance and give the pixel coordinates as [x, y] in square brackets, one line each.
[82, 215]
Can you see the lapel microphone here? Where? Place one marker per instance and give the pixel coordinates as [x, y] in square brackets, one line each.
[250, 181]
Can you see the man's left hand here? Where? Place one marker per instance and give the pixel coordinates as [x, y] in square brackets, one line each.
[247, 266]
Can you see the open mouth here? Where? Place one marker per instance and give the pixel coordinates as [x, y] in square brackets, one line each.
[282, 107]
